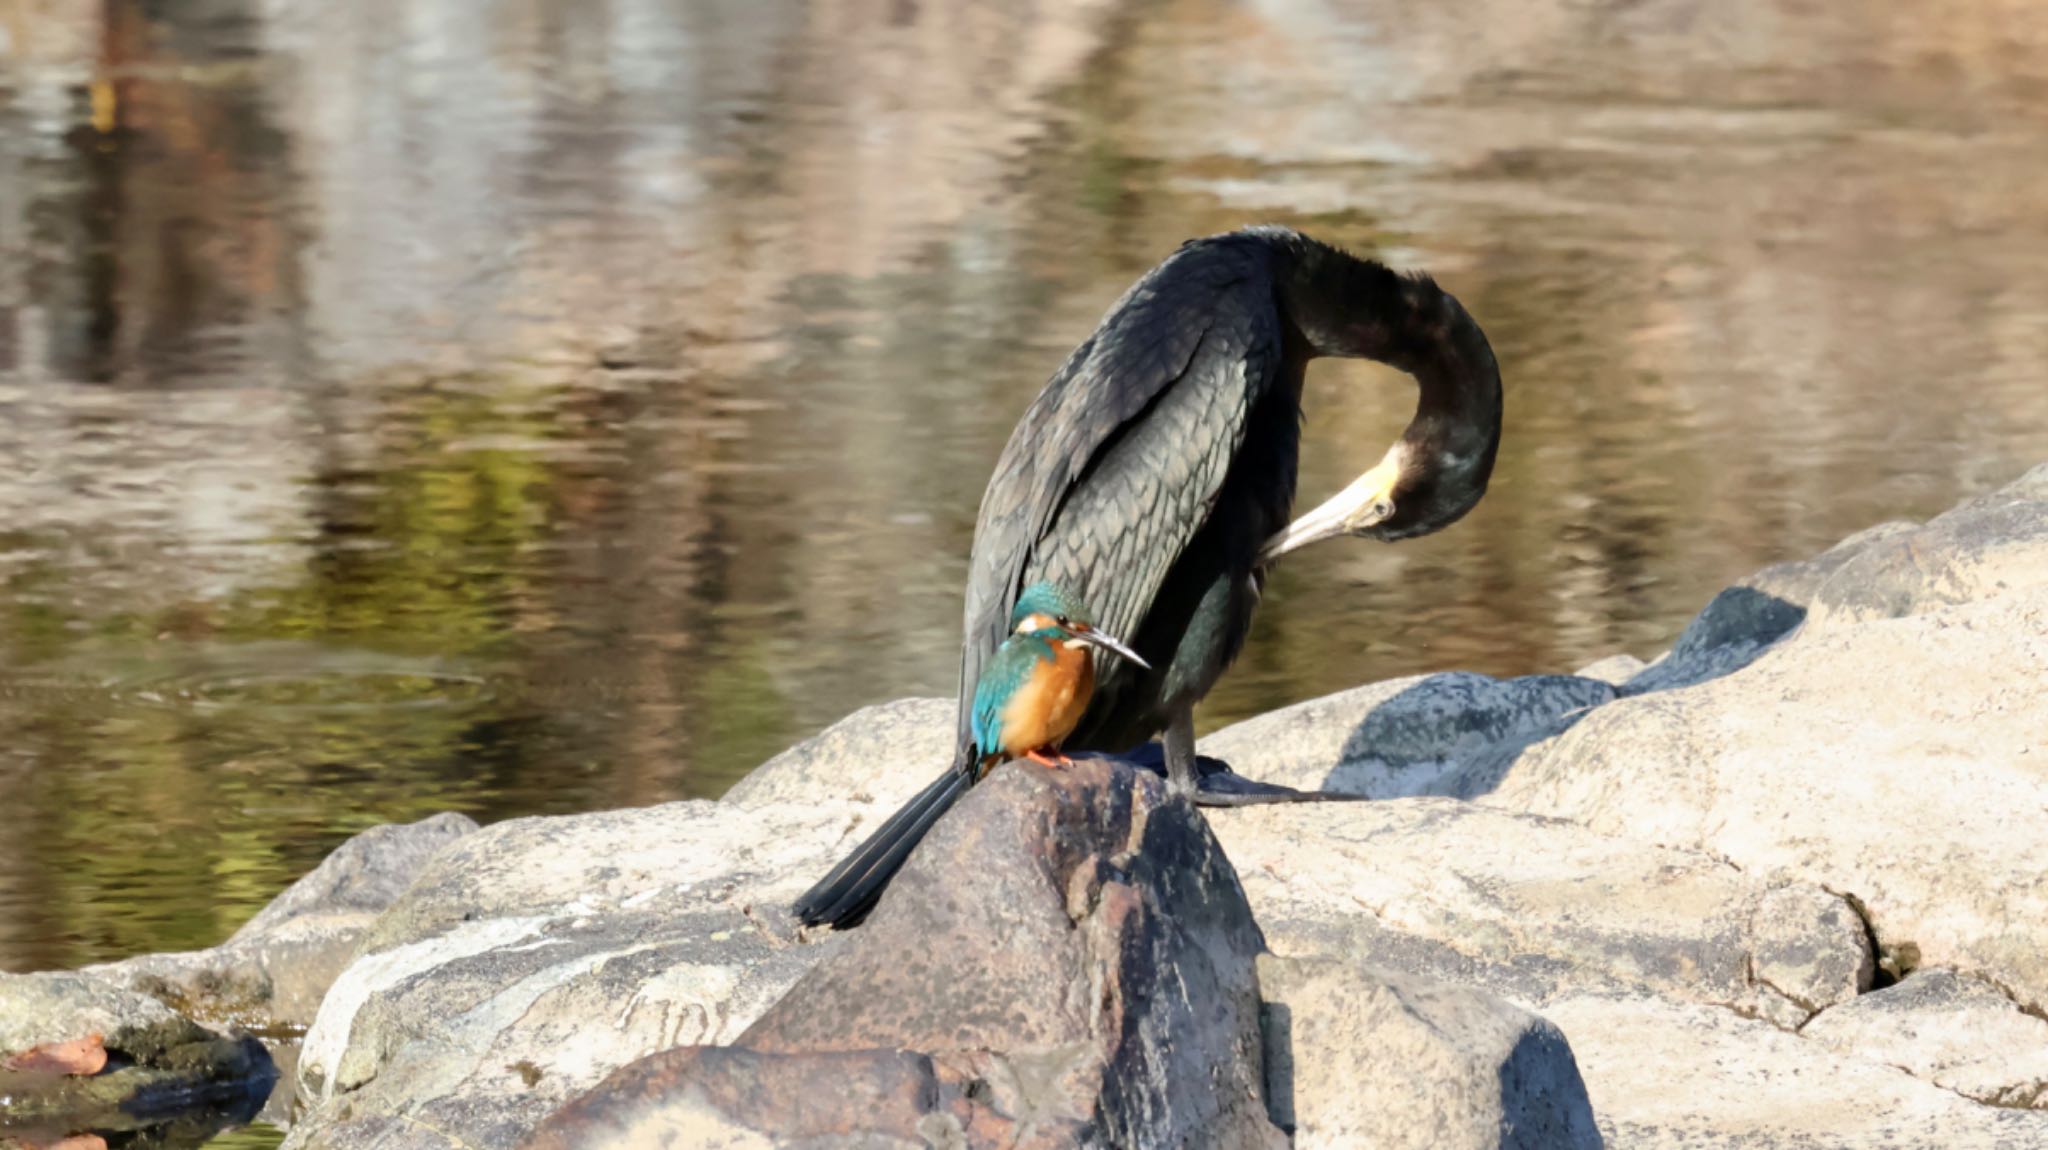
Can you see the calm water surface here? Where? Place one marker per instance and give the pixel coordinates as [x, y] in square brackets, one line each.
[534, 407]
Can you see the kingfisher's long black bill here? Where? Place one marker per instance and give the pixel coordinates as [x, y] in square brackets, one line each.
[1110, 643]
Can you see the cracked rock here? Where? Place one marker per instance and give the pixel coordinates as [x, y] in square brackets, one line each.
[1955, 1031]
[1891, 746]
[1530, 907]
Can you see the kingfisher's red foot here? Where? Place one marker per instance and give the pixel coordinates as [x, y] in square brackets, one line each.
[1044, 760]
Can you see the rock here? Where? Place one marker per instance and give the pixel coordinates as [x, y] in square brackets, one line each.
[1952, 1030]
[275, 969]
[1071, 952]
[1357, 1057]
[536, 956]
[1898, 760]
[1613, 670]
[1666, 1075]
[1404, 736]
[728, 1096]
[1993, 545]
[1530, 908]
[869, 763]
[1081, 931]
[1744, 620]
[80, 1052]
[1811, 953]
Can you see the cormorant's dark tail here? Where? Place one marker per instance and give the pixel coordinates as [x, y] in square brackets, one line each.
[845, 896]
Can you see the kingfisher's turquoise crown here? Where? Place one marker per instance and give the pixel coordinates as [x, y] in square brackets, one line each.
[1047, 599]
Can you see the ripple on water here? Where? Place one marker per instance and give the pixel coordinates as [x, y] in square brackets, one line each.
[273, 676]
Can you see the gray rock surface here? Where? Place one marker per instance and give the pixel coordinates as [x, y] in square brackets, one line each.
[1745, 619]
[1669, 1075]
[531, 959]
[1952, 1030]
[1360, 1057]
[156, 1062]
[274, 971]
[1404, 736]
[538, 955]
[1070, 950]
[1891, 749]
[730, 1098]
[1530, 908]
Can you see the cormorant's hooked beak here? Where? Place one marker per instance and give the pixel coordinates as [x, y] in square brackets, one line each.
[1367, 503]
[1110, 643]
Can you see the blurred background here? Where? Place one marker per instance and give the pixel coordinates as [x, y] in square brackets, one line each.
[528, 406]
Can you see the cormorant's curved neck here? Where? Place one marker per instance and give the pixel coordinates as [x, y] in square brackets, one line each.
[1341, 305]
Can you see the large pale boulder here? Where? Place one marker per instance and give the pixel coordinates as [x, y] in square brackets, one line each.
[1894, 748]
[276, 968]
[1532, 907]
[532, 958]
[537, 955]
[1358, 1057]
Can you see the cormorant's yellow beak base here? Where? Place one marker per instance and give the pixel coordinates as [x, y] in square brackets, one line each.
[1366, 503]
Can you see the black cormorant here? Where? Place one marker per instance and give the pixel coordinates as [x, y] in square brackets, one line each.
[1153, 476]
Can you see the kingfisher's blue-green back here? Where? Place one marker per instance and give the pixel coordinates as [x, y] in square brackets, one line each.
[1003, 676]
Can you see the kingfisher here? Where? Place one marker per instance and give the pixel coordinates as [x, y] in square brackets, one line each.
[1033, 691]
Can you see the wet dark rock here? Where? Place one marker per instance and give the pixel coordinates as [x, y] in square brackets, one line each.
[1070, 951]
[273, 972]
[158, 1064]
[1413, 736]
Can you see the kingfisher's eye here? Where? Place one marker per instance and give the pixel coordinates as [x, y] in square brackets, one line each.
[1062, 620]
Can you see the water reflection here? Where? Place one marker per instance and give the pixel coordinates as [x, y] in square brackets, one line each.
[529, 407]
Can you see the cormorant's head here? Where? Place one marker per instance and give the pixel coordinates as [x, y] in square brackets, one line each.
[1051, 613]
[1347, 306]
[1427, 481]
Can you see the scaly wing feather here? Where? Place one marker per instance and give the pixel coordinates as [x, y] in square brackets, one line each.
[1117, 462]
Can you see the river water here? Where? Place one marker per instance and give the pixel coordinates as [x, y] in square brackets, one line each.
[515, 407]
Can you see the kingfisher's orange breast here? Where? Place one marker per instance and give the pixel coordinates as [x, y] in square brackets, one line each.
[1047, 708]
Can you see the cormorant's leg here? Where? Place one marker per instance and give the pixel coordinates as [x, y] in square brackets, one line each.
[1179, 744]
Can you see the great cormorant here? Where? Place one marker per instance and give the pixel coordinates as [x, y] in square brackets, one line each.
[1153, 476]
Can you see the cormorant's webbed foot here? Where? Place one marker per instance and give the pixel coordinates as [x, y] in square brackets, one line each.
[1216, 785]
